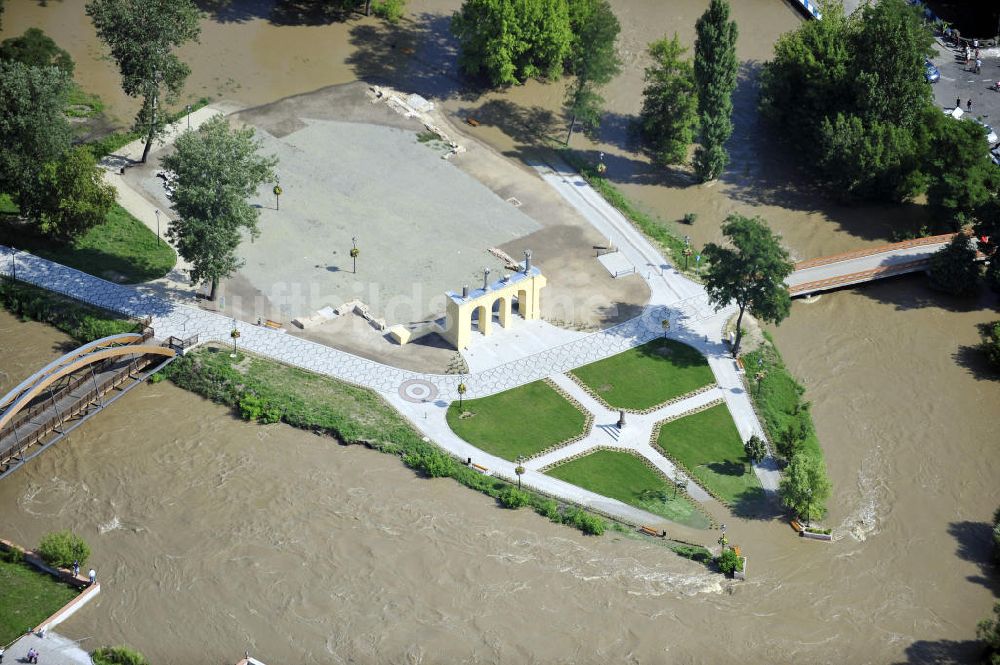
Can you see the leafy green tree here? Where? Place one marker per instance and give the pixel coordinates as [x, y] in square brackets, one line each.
[592, 60]
[36, 49]
[33, 129]
[715, 67]
[791, 438]
[71, 196]
[669, 116]
[755, 448]
[513, 498]
[988, 631]
[808, 78]
[510, 41]
[218, 169]
[62, 548]
[118, 656]
[729, 561]
[890, 46]
[142, 35]
[963, 179]
[989, 335]
[953, 267]
[751, 273]
[804, 487]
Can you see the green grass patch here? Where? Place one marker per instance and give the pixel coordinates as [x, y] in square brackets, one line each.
[708, 444]
[625, 477]
[779, 397]
[521, 421]
[28, 597]
[647, 375]
[266, 391]
[81, 104]
[657, 230]
[80, 321]
[121, 249]
[8, 207]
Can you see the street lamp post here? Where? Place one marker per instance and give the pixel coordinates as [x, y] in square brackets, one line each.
[189, 115]
[461, 393]
[157, 225]
[235, 334]
[760, 377]
[354, 255]
[519, 469]
[666, 326]
[277, 196]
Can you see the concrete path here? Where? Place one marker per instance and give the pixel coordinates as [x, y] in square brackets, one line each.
[53, 649]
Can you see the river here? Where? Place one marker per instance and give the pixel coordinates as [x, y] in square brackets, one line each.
[213, 536]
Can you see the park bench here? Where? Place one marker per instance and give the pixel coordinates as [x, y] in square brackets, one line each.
[480, 468]
[472, 121]
[273, 325]
[650, 531]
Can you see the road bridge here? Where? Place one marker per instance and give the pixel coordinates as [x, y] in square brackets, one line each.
[56, 399]
[864, 265]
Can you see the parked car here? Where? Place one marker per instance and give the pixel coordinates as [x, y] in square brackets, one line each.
[931, 72]
[991, 136]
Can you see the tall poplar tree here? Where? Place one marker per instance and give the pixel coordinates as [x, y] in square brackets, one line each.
[142, 35]
[669, 116]
[715, 69]
[592, 60]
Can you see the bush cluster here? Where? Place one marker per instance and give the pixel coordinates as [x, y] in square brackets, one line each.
[729, 561]
[62, 548]
[81, 322]
[118, 656]
[511, 497]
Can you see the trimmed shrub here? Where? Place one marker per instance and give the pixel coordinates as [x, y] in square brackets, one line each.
[390, 10]
[118, 656]
[592, 525]
[62, 548]
[548, 508]
[693, 552]
[431, 463]
[729, 561]
[513, 498]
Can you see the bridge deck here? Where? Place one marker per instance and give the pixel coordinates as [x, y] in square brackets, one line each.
[864, 265]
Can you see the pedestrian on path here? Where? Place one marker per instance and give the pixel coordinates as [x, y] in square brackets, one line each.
[979, 65]
[968, 105]
[958, 102]
[76, 569]
[93, 573]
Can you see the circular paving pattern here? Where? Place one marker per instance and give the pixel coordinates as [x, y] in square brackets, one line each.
[417, 390]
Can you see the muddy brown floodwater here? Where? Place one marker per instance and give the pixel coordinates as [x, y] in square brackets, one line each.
[213, 536]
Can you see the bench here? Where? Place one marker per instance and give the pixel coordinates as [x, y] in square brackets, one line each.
[472, 121]
[273, 325]
[650, 531]
[480, 468]
[795, 525]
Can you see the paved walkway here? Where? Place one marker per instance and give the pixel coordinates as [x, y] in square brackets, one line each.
[53, 649]
[424, 398]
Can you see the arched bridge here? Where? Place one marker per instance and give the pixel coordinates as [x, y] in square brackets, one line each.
[865, 265]
[56, 399]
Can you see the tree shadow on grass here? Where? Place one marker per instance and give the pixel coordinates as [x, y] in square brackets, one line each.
[678, 354]
[756, 504]
[728, 468]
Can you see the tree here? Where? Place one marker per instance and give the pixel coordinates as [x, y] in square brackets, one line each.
[804, 487]
[141, 35]
[217, 169]
[729, 561]
[755, 448]
[33, 129]
[715, 73]
[988, 631]
[669, 116]
[751, 273]
[592, 60]
[953, 267]
[71, 196]
[989, 335]
[510, 41]
[963, 179]
[63, 549]
[791, 438]
[36, 49]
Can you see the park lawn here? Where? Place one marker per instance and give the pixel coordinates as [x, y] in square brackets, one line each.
[28, 597]
[521, 421]
[120, 250]
[647, 375]
[709, 445]
[624, 477]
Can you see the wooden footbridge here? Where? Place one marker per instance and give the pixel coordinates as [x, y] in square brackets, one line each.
[56, 399]
[865, 265]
